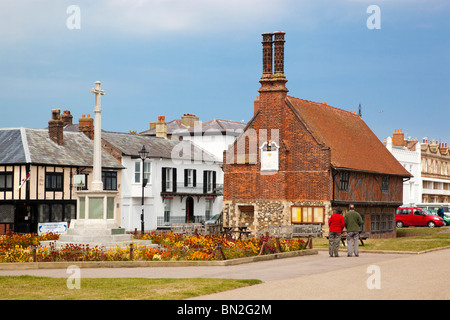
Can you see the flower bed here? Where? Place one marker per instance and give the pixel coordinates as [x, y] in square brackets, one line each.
[23, 248]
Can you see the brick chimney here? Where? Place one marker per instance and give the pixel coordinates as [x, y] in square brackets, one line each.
[153, 125]
[256, 105]
[66, 118]
[161, 127]
[279, 54]
[398, 138]
[189, 120]
[273, 82]
[273, 92]
[267, 54]
[86, 125]
[443, 148]
[56, 127]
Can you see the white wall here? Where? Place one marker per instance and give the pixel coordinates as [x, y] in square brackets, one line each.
[411, 161]
[214, 144]
[153, 201]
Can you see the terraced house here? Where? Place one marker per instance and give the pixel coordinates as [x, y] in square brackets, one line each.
[429, 163]
[298, 160]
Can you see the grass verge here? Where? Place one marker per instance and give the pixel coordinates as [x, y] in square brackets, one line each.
[43, 288]
[408, 239]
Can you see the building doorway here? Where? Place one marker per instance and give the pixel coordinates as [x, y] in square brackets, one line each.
[24, 219]
[189, 210]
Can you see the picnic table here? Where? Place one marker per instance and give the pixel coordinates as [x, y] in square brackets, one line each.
[239, 231]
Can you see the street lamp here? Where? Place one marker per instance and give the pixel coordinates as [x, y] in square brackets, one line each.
[143, 154]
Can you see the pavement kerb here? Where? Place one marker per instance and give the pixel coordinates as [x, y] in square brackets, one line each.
[149, 264]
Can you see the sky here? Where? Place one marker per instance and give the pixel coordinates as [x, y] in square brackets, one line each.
[172, 57]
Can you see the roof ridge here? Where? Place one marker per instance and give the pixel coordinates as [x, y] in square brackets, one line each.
[218, 122]
[26, 148]
[325, 104]
[230, 121]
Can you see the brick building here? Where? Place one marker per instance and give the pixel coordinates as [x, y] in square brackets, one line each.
[297, 160]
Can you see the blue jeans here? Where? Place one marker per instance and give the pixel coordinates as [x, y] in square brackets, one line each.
[352, 243]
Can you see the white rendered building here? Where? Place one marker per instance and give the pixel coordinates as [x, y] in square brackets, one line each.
[184, 182]
[409, 157]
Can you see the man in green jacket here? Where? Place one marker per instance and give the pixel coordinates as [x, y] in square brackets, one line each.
[353, 222]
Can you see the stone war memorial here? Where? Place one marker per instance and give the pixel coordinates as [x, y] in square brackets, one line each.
[96, 208]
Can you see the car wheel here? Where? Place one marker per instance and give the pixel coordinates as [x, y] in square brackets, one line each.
[431, 224]
[399, 224]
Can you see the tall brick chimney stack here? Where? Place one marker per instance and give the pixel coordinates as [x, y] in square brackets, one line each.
[273, 81]
[267, 55]
[56, 127]
[279, 54]
[86, 125]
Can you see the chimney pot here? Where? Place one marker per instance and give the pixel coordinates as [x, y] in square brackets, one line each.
[66, 118]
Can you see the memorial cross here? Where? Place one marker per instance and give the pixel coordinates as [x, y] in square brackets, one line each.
[97, 183]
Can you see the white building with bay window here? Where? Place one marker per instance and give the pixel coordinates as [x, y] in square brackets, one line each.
[184, 182]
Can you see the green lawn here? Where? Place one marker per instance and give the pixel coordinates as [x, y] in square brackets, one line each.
[408, 239]
[42, 288]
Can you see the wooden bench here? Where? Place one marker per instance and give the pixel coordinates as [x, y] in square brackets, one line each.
[362, 237]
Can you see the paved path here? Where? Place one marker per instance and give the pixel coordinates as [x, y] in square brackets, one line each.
[409, 277]
[402, 276]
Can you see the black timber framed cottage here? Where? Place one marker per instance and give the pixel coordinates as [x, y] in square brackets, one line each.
[37, 171]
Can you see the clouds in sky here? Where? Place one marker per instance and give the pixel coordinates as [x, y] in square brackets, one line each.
[25, 20]
[204, 57]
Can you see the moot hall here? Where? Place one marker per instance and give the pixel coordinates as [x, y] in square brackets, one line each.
[298, 160]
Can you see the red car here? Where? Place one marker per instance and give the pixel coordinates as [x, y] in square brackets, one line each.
[406, 217]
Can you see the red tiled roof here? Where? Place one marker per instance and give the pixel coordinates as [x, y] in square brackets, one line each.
[353, 145]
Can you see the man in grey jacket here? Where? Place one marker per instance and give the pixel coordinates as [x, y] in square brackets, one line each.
[353, 222]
